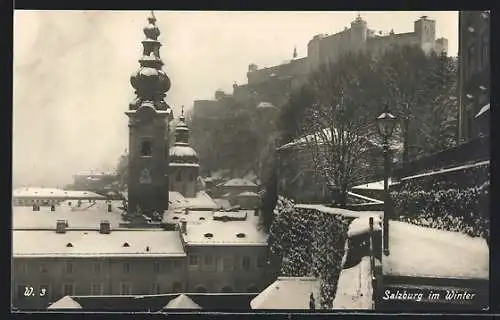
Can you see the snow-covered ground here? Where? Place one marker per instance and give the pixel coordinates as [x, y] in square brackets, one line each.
[426, 252]
[354, 288]
[343, 212]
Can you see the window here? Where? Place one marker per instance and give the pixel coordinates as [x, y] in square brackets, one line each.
[155, 288]
[156, 267]
[245, 263]
[227, 264]
[471, 60]
[126, 268]
[68, 289]
[193, 260]
[261, 261]
[68, 268]
[146, 148]
[167, 266]
[43, 268]
[178, 176]
[485, 48]
[177, 287]
[96, 289]
[125, 288]
[209, 260]
[177, 264]
[97, 268]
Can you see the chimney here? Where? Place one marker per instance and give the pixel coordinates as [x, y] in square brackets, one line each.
[184, 226]
[34, 206]
[61, 226]
[52, 207]
[109, 207]
[105, 227]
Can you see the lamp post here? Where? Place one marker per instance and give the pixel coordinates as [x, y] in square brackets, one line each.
[385, 125]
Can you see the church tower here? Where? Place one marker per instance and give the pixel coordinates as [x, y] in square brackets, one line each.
[184, 163]
[149, 115]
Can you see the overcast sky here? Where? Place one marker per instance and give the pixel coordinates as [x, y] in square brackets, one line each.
[72, 69]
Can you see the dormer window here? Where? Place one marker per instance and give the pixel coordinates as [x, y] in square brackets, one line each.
[126, 245]
[69, 245]
[146, 148]
[209, 235]
[240, 235]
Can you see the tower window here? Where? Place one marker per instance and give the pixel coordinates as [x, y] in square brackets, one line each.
[146, 148]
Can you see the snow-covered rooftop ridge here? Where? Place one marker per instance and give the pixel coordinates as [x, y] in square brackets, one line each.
[327, 134]
[247, 194]
[182, 302]
[65, 303]
[88, 215]
[427, 252]
[377, 185]
[201, 201]
[48, 193]
[288, 293]
[239, 182]
[461, 167]
[119, 243]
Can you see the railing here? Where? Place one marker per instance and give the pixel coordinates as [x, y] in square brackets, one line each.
[474, 150]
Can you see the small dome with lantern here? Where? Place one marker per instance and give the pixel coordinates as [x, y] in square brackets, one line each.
[181, 153]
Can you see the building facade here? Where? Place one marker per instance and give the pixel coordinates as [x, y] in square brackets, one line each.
[474, 74]
[149, 115]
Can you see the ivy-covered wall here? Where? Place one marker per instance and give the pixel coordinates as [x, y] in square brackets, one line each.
[307, 242]
[454, 201]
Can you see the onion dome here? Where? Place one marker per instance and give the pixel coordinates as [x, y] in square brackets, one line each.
[150, 81]
[181, 152]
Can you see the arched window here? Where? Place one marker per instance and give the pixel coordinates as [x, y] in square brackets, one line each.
[178, 176]
[146, 148]
[200, 289]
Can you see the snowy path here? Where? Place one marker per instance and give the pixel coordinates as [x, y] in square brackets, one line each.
[354, 288]
[426, 252]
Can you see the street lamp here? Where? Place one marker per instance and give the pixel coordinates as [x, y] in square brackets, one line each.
[385, 125]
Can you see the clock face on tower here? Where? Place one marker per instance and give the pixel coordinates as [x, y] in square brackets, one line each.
[145, 177]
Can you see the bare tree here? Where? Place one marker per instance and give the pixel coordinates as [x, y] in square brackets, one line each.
[340, 141]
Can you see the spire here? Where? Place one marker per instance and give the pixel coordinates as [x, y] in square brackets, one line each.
[150, 81]
[295, 52]
[182, 130]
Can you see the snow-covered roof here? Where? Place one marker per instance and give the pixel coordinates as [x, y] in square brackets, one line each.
[378, 185]
[182, 302]
[54, 193]
[222, 203]
[65, 303]
[88, 215]
[327, 132]
[265, 105]
[183, 164]
[201, 201]
[426, 252]
[210, 232]
[93, 173]
[193, 216]
[248, 194]
[362, 225]
[182, 151]
[483, 110]
[239, 183]
[288, 293]
[153, 243]
[240, 214]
